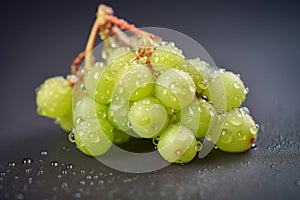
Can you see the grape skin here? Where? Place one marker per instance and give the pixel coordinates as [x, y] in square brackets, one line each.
[234, 90]
[91, 139]
[197, 117]
[177, 144]
[54, 97]
[239, 132]
[66, 121]
[148, 117]
[175, 88]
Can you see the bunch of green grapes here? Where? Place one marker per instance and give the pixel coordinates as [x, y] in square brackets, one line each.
[160, 95]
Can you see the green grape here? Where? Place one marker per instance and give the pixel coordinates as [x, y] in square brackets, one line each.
[91, 78]
[106, 82]
[167, 56]
[66, 121]
[234, 90]
[116, 53]
[148, 117]
[91, 139]
[175, 88]
[199, 72]
[135, 82]
[86, 109]
[54, 97]
[239, 132]
[177, 144]
[197, 115]
[120, 137]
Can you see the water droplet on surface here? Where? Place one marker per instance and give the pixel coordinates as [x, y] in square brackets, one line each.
[246, 90]
[65, 149]
[71, 137]
[54, 164]
[64, 185]
[44, 153]
[64, 172]
[253, 146]
[11, 164]
[69, 166]
[178, 152]
[27, 161]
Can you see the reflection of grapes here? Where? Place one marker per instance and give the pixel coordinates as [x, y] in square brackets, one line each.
[146, 87]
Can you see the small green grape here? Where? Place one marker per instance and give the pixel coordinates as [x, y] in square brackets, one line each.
[235, 92]
[120, 137]
[197, 116]
[106, 82]
[91, 139]
[177, 144]
[175, 89]
[54, 97]
[148, 117]
[239, 132]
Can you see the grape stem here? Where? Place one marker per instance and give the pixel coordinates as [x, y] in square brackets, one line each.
[107, 24]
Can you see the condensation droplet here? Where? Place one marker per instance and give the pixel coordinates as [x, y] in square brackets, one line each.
[54, 164]
[226, 136]
[11, 164]
[43, 153]
[71, 137]
[241, 135]
[27, 161]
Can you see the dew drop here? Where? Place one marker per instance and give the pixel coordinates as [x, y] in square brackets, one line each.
[236, 85]
[71, 137]
[64, 185]
[69, 166]
[246, 90]
[198, 147]
[226, 136]
[65, 149]
[27, 161]
[254, 130]
[253, 146]
[155, 141]
[236, 120]
[43, 153]
[178, 152]
[64, 172]
[241, 135]
[54, 164]
[11, 164]
[245, 110]
[78, 120]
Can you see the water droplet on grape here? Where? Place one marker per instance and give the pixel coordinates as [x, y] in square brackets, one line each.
[226, 136]
[236, 85]
[155, 141]
[78, 120]
[71, 137]
[245, 110]
[246, 90]
[241, 135]
[254, 129]
[236, 120]
[198, 147]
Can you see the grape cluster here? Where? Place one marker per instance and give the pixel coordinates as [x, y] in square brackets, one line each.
[161, 96]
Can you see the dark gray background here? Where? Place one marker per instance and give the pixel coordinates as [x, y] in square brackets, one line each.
[258, 39]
